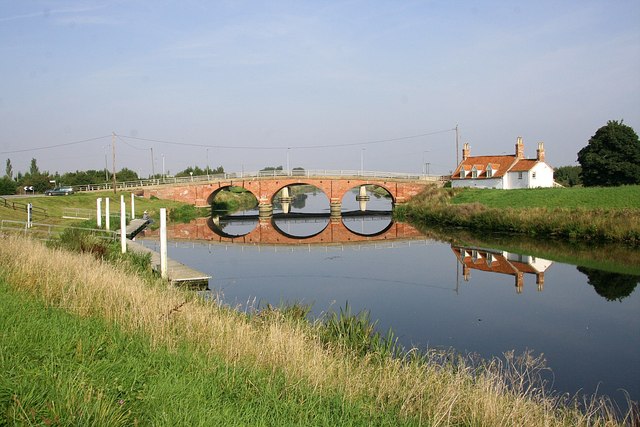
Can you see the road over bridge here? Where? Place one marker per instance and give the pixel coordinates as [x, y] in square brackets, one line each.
[401, 187]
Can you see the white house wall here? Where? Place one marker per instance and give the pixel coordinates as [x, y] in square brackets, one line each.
[544, 176]
[477, 183]
[513, 182]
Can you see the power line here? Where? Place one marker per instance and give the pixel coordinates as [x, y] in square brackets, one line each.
[122, 138]
[129, 145]
[24, 150]
[283, 147]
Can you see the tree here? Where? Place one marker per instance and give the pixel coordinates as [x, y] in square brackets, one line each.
[612, 156]
[7, 186]
[9, 169]
[33, 169]
[612, 286]
[126, 174]
[568, 176]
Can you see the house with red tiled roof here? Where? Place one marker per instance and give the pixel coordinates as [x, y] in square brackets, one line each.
[504, 171]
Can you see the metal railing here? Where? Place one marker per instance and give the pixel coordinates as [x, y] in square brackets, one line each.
[84, 213]
[19, 206]
[49, 231]
[309, 173]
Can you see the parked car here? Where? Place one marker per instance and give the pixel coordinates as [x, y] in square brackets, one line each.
[59, 191]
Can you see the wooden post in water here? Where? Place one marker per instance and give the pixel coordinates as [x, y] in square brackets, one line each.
[163, 243]
[99, 212]
[123, 225]
[107, 215]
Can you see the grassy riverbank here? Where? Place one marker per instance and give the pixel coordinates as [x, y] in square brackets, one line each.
[56, 206]
[108, 346]
[593, 214]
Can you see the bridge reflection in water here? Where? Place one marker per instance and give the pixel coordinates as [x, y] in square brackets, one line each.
[500, 262]
[350, 228]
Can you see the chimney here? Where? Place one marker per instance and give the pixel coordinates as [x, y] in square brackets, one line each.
[540, 152]
[466, 151]
[519, 149]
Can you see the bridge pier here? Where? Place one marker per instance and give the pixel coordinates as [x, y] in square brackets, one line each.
[265, 210]
[335, 208]
[285, 199]
[363, 198]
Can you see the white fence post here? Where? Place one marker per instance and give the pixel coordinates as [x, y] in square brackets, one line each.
[107, 215]
[163, 243]
[29, 215]
[133, 206]
[123, 225]
[99, 212]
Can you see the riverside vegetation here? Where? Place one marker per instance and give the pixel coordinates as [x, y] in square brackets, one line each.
[93, 337]
[591, 214]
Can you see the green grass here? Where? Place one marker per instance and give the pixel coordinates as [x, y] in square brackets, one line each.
[579, 214]
[55, 206]
[61, 369]
[626, 197]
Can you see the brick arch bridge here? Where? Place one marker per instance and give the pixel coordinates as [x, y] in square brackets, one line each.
[201, 194]
[266, 233]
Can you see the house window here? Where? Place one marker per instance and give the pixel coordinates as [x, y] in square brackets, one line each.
[519, 175]
[533, 175]
[489, 172]
[462, 174]
[474, 172]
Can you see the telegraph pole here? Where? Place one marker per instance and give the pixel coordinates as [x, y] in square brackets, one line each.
[113, 164]
[457, 151]
[153, 168]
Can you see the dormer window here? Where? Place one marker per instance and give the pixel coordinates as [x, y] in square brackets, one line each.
[489, 171]
[474, 172]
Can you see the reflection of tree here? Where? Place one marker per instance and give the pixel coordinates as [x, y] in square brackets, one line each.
[299, 201]
[612, 286]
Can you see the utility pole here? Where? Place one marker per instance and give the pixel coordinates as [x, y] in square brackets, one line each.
[288, 170]
[153, 168]
[113, 164]
[106, 168]
[457, 151]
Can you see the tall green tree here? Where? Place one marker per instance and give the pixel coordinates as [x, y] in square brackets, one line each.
[9, 169]
[33, 169]
[612, 156]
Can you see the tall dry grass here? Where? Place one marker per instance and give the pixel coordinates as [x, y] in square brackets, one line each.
[436, 388]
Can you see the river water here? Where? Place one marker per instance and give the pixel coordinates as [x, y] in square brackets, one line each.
[473, 298]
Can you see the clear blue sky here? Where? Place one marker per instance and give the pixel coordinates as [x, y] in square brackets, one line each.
[305, 73]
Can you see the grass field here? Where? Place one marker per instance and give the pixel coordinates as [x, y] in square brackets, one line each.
[626, 197]
[55, 206]
[62, 369]
[588, 214]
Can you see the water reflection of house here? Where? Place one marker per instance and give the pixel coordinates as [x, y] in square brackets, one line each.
[503, 263]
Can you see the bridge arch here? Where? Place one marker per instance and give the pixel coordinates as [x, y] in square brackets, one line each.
[293, 237]
[211, 197]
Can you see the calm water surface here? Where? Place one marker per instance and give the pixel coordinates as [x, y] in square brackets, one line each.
[433, 294]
